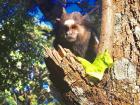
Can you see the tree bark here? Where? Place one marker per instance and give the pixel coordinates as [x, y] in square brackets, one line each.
[68, 77]
[125, 79]
[107, 26]
[121, 84]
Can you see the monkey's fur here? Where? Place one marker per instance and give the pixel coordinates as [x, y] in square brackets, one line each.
[75, 32]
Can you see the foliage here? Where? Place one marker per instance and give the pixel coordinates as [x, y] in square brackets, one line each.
[6, 97]
[22, 67]
[100, 64]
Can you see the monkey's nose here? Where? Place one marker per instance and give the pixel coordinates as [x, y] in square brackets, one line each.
[69, 33]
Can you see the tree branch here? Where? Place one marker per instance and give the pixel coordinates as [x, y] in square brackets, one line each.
[107, 26]
[68, 77]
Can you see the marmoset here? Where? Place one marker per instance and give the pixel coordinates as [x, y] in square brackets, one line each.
[76, 32]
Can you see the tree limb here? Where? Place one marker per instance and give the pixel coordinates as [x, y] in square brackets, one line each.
[106, 26]
[68, 77]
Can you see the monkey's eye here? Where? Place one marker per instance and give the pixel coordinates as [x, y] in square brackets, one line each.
[74, 26]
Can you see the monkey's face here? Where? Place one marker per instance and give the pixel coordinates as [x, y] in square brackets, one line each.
[70, 30]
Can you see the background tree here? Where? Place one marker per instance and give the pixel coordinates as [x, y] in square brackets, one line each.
[23, 77]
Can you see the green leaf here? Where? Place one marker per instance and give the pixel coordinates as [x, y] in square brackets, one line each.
[84, 62]
[97, 68]
[21, 98]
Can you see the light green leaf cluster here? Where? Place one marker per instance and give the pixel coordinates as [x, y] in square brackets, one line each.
[16, 55]
[8, 97]
[100, 64]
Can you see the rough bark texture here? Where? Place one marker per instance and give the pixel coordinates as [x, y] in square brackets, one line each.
[126, 52]
[107, 26]
[121, 84]
[68, 77]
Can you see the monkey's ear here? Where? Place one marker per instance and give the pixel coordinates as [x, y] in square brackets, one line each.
[86, 17]
[64, 11]
[58, 19]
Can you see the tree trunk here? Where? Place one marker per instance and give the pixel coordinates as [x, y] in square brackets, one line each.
[121, 85]
[125, 79]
